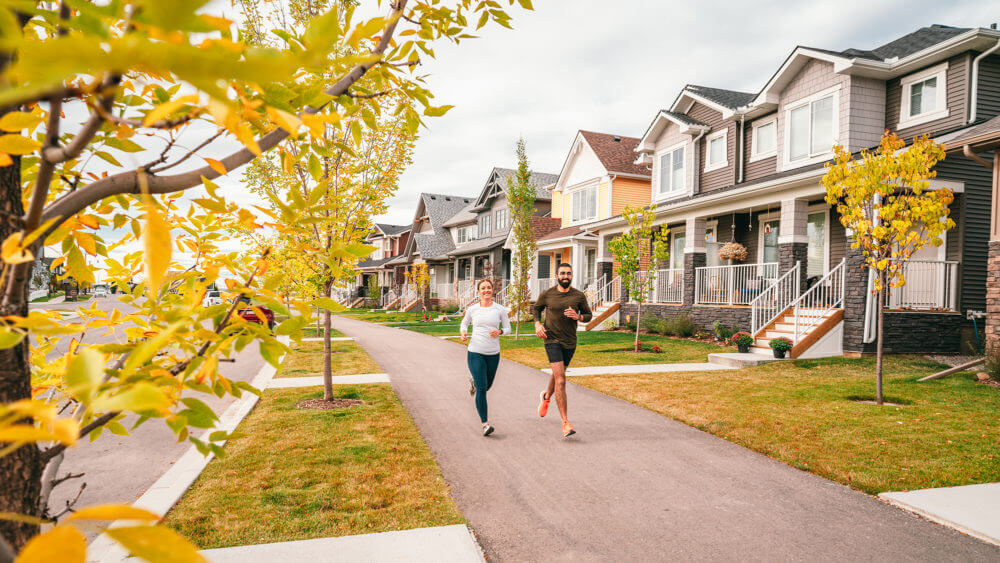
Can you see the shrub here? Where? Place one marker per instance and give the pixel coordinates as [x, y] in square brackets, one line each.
[780, 344]
[629, 325]
[449, 308]
[702, 335]
[610, 323]
[682, 325]
[722, 332]
[651, 323]
[741, 339]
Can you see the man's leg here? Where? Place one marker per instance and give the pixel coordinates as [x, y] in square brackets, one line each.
[557, 387]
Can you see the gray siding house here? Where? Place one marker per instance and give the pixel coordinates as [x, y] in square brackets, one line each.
[746, 167]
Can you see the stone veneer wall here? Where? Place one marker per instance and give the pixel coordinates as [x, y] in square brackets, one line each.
[702, 315]
[993, 298]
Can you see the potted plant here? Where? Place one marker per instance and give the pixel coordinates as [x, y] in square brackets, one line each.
[743, 341]
[779, 346]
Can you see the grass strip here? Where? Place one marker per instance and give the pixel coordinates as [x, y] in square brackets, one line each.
[610, 349]
[306, 359]
[946, 433]
[301, 474]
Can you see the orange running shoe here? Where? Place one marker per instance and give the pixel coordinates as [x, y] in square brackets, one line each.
[568, 430]
[543, 405]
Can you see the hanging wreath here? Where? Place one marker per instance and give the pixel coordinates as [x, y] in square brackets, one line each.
[733, 251]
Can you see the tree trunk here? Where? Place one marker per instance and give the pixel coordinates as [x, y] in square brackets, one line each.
[638, 317]
[878, 349]
[327, 349]
[21, 470]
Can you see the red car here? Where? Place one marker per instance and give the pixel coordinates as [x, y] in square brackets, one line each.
[250, 315]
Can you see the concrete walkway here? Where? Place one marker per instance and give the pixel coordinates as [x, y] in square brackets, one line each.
[642, 368]
[973, 509]
[443, 543]
[631, 485]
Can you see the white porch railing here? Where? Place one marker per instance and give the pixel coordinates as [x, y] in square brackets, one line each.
[443, 291]
[669, 286]
[387, 297]
[823, 297]
[538, 285]
[607, 292]
[775, 299]
[930, 285]
[732, 285]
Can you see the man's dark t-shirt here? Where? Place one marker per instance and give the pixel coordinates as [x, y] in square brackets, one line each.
[558, 327]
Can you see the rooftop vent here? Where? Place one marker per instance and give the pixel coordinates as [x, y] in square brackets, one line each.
[447, 199]
[618, 139]
[993, 25]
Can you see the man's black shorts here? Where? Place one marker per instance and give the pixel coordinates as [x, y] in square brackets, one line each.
[557, 353]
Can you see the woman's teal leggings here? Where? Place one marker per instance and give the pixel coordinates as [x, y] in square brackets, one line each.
[483, 368]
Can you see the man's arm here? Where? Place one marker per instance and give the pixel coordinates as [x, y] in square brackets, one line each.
[585, 313]
[539, 307]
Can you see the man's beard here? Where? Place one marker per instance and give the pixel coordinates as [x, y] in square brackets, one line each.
[565, 283]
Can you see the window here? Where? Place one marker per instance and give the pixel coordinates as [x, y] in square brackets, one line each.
[461, 235]
[677, 250]
[715, 151]
[812, 128]
[585, 204]
[764, 141]
[484, 225]
[671, 170]
[923, 96]
[769, 242]
[544, 266]
[816, 257]
[503, 218]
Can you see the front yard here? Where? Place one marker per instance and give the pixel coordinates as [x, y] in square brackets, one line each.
[300, 474]
[306, 359]
[610, 349]
[946, 433]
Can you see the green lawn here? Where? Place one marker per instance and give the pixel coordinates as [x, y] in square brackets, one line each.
[946, 434]
[449, 328]
[311, 332]
[610, 348]
[46, 298]
[306, 359]
[300, 474]
[387, 316]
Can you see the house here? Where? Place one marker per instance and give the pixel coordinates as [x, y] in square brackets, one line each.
[389, 242]
[480, 230]
[746, 167]
[599, 178]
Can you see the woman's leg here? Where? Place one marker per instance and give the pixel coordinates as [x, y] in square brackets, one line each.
[492, 363]
[477, 367]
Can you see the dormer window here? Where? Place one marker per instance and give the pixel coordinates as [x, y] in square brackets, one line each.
[923, 96]
[715, 151]
[811, 128]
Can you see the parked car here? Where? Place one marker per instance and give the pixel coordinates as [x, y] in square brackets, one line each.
[100, 291]
[248, 313]
[212, 298]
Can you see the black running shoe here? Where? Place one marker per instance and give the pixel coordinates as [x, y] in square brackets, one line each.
[488, 429]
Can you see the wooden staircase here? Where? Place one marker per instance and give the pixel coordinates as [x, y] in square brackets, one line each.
[604, 300]
[601, 314]
[784, 325]
[357, 302]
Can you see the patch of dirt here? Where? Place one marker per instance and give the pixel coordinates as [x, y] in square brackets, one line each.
[323, 404]
[990, 382]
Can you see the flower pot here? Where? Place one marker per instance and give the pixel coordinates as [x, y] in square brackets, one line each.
[743, 348]
[780, 354]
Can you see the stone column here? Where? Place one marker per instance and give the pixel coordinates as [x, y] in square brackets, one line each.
[793, 237]
[855, 297]
[695, 255]
[993, 300]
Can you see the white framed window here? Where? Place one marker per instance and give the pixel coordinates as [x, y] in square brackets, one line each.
[764, 139]
[716, 153]
[923, 96]
[503, 218]
[812, 126]
[671, 171]
[677, 242]
[712, 244]
[484, 225]
[465, 234]
[584, 204]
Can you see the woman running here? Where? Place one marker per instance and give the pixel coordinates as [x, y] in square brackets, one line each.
[486, 318]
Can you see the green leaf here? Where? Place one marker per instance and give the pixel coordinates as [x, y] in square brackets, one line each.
[291, 325]
[84, 374]
[103, 155]
[272, 351]
[9, 338]
[359, 249]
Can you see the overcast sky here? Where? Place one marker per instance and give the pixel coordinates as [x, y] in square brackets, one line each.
[608, 66]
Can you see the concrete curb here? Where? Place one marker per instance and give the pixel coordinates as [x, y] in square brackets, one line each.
[314, 381]
[171, 486]
[641, 368]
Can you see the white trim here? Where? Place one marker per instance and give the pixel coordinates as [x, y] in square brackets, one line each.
[570, 192]
[679, 230]
[940, 72]
[724, 135]
[646, 144]
[812, 158]
[658, 171]
[695, 97]
[754, 155]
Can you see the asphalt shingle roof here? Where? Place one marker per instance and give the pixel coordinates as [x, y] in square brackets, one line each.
[392, 229]
[466, 215]
[439, 209]
[683, 118]
[904, 46]
[370, 263]
[728, 98]
[480, 245]
[616, 153]
[540, 179]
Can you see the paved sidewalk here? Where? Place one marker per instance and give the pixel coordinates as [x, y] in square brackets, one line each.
[431, 545]
[973, 509]
[631, 485]
[641, 368]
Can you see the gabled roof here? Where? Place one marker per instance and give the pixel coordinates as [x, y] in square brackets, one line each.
[616, 153]
[910, 43]
[723, 100]
[369, 263]
[390, 230]
[687, 124]
[438, 208]
[480, 245]
[466, 215]
[497, 182]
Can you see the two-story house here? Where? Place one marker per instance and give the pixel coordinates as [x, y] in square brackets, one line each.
[599, 178]
[389, 242]
[746, 167]
[480, 231]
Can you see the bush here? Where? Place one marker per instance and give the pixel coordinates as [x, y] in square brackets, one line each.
[723, 332]
[651, 323]
[682, 325]
[630, 326]
[610, 323]
[450, 308]
[703, 335]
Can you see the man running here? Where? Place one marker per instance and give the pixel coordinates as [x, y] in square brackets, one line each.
[564, 306]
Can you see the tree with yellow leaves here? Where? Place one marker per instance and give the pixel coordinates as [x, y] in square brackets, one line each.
[885, 201]
[110, 112]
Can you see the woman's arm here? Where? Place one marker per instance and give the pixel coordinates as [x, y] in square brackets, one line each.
[505, 319]
[465, 322]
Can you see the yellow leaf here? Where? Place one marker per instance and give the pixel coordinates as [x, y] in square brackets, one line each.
[141, 397]
[285, 120]
[86, 242]
[113, 512]
[18, 144]
[314, 123]
[17, 120]
[245, 136]
[62, 543]
[12, 252]
[89, 221]
[165, 109]
[216, 165]
[156, 544]
[5, 159]
[231, 283]
[156, 241]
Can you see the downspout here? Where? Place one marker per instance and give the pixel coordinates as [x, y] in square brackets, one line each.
[697, 163]
[741, 148]
[975, 79]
